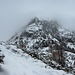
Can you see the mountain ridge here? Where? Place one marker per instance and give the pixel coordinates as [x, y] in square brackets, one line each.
[47, 41]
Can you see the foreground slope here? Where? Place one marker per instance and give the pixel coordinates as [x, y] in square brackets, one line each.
[18, 63]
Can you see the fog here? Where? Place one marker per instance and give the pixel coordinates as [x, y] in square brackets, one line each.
[16, 13]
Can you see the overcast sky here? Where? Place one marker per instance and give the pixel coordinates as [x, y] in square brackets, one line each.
[16, 13]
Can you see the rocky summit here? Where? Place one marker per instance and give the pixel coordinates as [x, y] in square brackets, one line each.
[47, 41]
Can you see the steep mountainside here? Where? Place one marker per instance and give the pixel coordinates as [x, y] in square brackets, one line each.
[49, 42]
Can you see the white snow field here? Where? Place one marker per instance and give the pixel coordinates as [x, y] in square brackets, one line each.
[19, 63]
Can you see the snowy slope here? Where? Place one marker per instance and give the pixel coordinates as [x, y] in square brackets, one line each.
[19, 63]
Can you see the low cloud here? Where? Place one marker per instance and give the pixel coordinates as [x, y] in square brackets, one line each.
[16, 13]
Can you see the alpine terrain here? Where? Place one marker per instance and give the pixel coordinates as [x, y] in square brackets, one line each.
[42, 47]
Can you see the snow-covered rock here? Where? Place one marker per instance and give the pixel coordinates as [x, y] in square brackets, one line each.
[45, 40]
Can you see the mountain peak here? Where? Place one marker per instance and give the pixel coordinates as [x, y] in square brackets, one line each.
[34, 20]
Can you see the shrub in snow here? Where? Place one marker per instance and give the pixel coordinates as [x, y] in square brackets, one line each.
[1, 58]
[1, 61]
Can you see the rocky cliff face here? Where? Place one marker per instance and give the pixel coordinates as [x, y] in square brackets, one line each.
[47, 41]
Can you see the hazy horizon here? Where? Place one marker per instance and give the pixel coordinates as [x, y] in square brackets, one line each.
[14, 14]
